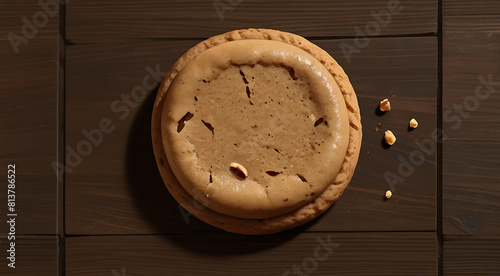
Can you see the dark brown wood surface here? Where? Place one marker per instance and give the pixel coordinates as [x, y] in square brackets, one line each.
[474, 8]
[28, 120]
[473, 255]
[35, 255]
[14, 16]
[444, 216]
[230, 254]
[471, 154]
[362, 207]
[117, 189]
[100, 21]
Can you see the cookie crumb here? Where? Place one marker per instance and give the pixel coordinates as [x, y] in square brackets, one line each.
[389, 137]
[413, 123]
[385, 105]
[388, 194]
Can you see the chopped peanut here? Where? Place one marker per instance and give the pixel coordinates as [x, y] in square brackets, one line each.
[385, 105]
[388, 194]
[238, 170]
[389, 137]
[413, 123]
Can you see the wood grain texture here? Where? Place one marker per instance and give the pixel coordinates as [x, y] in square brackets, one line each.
[28, 132]
[29, 19]
[98, 21]
[471, 164]
[464, 7]
[35, 255]
[466, 255]
[405, 71]
[117, 189]
[470, 191]
[229, 254]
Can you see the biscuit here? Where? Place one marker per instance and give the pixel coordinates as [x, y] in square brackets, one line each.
[202, 134]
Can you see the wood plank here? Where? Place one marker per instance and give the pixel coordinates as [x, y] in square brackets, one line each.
[470, 191]
[35, 255]
[28, 131]
[471, 167]
[229, 254]
[464, 7]
[98, 21]
[117, 189]
[467, 255]
[471, 52]
[29, 19]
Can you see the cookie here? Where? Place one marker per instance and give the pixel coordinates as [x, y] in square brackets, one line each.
[272, 103]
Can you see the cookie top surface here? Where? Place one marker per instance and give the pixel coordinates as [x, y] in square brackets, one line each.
[266, 105]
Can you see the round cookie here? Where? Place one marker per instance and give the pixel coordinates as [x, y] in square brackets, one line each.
[264, 105]
[274, 103]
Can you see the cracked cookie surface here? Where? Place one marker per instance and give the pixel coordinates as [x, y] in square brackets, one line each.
[265, 92]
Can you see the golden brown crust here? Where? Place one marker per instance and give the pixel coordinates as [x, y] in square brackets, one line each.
[299, 216]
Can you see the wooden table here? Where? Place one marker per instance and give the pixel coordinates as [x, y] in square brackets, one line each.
[65, 71]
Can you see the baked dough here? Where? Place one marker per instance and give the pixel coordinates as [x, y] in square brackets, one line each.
[271, 101]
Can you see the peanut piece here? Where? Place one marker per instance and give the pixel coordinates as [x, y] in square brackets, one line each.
[385, 105]
[389, 137]
[238, 170]
[413, 123]
[388, 194]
